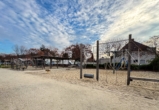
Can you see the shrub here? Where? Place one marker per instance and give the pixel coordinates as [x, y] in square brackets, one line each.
[155, 64]
[90, 66]
[4, 66]
[101, 66]
[135, 67]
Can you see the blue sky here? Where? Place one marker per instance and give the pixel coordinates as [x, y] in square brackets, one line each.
[60, 23]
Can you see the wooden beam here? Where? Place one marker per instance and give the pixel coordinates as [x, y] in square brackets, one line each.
[144, 79]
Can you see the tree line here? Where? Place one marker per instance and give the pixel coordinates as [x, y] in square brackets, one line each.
[72, 51]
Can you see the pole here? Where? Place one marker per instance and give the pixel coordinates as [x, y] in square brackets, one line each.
[57, 63]
[36, 63]
[138, 57]
[81, 51]
[114, 63]
[43, 63]
[97, 60]
[129, 60]
[50, 63]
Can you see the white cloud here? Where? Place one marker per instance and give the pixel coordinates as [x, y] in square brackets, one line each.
[61, 23]
[138, 18]
[26, 17]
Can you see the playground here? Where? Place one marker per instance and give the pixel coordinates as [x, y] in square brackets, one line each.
[117, 83]
[118, 73]
[63, 89]
[108, 80]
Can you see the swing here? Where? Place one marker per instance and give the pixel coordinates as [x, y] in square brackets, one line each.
[87, 75]
[87, 56]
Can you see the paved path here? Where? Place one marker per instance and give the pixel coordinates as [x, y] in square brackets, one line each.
[21, 91]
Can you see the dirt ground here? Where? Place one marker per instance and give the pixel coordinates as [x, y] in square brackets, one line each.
[62, 89]
[107, 80]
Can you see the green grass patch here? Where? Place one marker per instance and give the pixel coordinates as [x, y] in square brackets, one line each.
[5, 66]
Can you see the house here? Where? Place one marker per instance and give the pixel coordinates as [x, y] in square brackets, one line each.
[140, 53]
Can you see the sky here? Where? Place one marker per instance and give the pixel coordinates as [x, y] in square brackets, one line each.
[60, 23]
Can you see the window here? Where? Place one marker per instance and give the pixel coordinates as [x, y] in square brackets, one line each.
[142, 62]
[135, 61]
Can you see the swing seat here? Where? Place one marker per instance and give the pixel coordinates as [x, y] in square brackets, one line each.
[86, 75]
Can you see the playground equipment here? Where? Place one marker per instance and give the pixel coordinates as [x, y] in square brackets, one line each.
[89, 75]
[19, 64]
[122, 64]
[129, 78]
[32, 63]
[87, 55]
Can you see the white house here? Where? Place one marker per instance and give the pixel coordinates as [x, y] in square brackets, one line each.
[141, 54]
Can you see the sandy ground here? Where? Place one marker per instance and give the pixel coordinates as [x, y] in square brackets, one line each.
[62, 89]
[107, 80]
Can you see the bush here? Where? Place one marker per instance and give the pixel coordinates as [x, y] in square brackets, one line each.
[142, 67]
[101, 66]
[145, 67]
[90, 66]
[4, 66]
[135, 67]
[155, 64]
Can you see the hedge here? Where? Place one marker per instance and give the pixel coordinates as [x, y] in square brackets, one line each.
[4, 66]
[101, 66]
[153, 66]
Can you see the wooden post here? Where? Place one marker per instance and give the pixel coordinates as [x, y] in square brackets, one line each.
[44, 63]
[97, 61]
[114, 63]
[62, 63]
[36, 62]
[81, 51]
[50, 63]
[57, 63]
[129, 60]
[138, 57]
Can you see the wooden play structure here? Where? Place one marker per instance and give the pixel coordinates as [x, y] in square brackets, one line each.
[40, 61]
[128, 47]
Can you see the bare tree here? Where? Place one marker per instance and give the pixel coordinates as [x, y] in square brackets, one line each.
[16, 49]
[42, 48]
[54, 52]
[22, 50]
[65, 55]
[154, 42]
